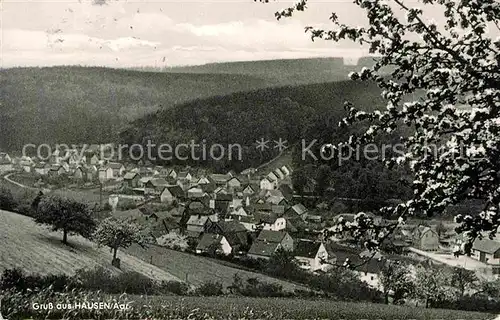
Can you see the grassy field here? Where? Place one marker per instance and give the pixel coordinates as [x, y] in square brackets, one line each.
[197, 270]
[35, 249]
[226, 307]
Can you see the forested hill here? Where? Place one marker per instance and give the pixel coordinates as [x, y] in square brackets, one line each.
[90, 105]
[242, 118]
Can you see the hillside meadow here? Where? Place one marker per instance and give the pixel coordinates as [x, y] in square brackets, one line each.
[35, 249]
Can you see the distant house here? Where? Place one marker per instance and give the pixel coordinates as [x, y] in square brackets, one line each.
[57, 170]
[239, 211]
[234, 183]
[424, 238]
[279, 174]
[198, 224]
[268, 242]
[143, 181]
[184, 175]
[155, 186]
[213, 243]
[42, 168]
[5, 162]
[281, 201]
[486, 251]
[173, 174]
[286, 171]
[131, 180]
[249, 189]
[105, 173]
[118, 169]
[203, 180]
[274, 224]
[310, 254]
[91, 172]
[220, 179]
[171, 194]
[235, 233]
[286, 191]
[195, 192]
[273, 177]
[298, 210]
[267, 184]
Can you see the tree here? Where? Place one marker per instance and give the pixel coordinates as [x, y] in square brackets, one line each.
[431, 286]
[115, 234]
[463, 280]
[440, 229]
[395, 277]
[66, 215]
[7, 201]
[442, 81]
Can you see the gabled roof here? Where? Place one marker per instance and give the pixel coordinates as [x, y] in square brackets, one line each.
[183, 175]
[272, 176]
[208, 241]
[263, 248]
[220, 178]
[176, 191]
[275, 200]
[129, 175]
[272, 236]
[235, 178]
[158, 182]
[307, 248]
[286, 190]
[486, 245]
[197, 220]
[231, 226]
[223, 197]
[115, 165]
[299, 209]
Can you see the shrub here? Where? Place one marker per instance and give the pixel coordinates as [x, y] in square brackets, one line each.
[7, 201]
[176, 287]
[255, 288]
[95, 279]
[211, 288]
[133, 283]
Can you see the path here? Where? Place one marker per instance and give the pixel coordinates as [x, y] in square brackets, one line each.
[7, 178]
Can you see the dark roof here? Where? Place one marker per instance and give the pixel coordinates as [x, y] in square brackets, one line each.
[182, 175]
[158, 182]
[130, 175]
[208, 240]
[271, 236]
[286, 191]
[197, 220]
[220, 178]
[231, 226]
[223, 197]
[176, 191]
[115, 165]
[307, 248]
[486, 245]
[263, 248]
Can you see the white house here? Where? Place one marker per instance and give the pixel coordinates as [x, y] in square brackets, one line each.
[267, 184]
[311, 255]
[277, 225]
[105, 174]
[213, 243]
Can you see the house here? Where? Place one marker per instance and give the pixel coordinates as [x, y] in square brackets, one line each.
[220, 179]
[267, 184]
[286, 191]
[173, 174]
[57, 170]
[274, 224]
[298, 210]
[238, 211]
[195, 192]
[171, 194]
[486, 251]
[248, 222]
[311, 255]
[93, 160]
[279, 174]
[131, 180]
[105, 173]
[91, 172]
[234, 183]
[197, 224]
[268, 242]
[5, 162]
[286, 171]
[211, 243]
[155, 186]
[424, 238]
[249, 189]
[42, 168]
[203, 180]
[143, 181]
[273, 177]
[235, 233]
[279, 201]
[118, 169]
[184, 175]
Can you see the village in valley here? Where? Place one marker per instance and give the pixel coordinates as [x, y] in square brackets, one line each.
[250, 215]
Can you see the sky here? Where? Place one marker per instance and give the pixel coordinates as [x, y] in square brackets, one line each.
[120, 33]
